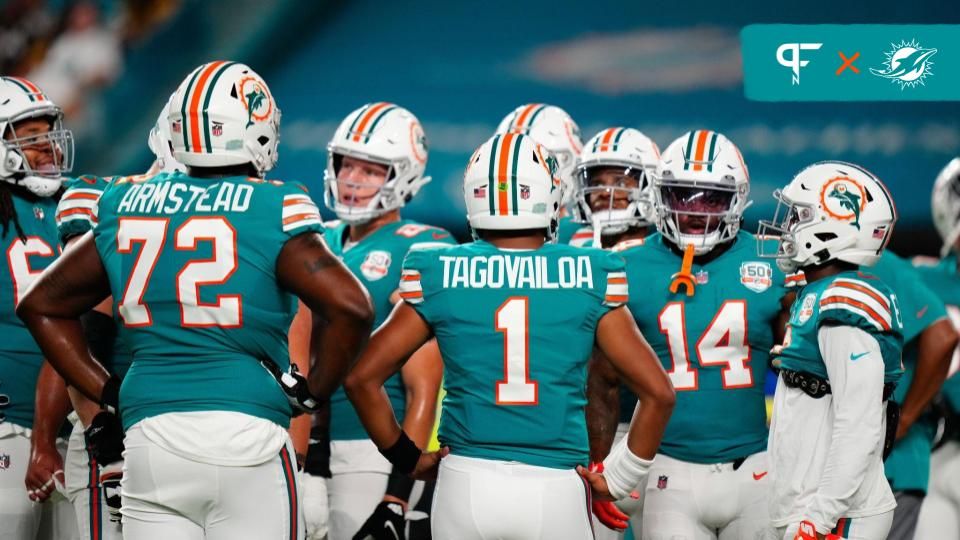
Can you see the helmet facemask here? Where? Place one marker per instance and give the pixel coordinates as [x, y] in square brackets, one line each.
[714, 209]
[788, 218]
[351, 209]
[612, 198]
[43, 179]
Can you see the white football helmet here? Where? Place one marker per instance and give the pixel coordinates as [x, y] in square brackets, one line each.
[161, 144]
[946, 205]
[224, 114]
[831, 210]
[634, 157]
[701, 177]
[511, 184]
[553, 128]
[21, 100]
[381, 133]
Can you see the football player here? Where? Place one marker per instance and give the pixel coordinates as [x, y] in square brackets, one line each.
[205, 420]
[711, 311]
[375, 165]
[940, 513]
[553, 128]
[502, 310]
[613, 198]
[35, 151]
[840, 359]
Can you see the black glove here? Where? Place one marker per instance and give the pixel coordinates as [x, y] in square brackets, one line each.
[110, 477]
[104, 438]
[385, 523]
[294, 385]
[318, 453]
[418, 526]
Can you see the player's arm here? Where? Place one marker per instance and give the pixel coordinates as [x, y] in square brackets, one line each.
[637, 365]
[51, 408]
[342, 312]
[935, 347]
[855, 369]
[402, 334]
[783, 317]
[298, 339]
[51, 309]
[603, 405]
[421, 376]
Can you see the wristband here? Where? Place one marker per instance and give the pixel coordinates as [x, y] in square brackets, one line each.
[399, 485]
[623, 470]
[404, 454]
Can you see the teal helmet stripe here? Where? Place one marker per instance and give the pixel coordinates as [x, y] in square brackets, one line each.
[183, 107]
[491, 175]
[713, 145]
[206, 103]
[23, 87]
[533, 117]
[514, 165]
[357, 118]
[689, 153]
[616, 139]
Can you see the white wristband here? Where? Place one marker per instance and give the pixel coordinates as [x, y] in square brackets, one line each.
[623, 470]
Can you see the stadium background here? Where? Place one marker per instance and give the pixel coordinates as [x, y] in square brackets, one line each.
[461, 66]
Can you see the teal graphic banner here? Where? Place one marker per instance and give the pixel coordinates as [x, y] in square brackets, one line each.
[857, 62]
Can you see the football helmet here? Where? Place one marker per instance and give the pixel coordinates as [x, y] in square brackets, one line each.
[633, 156]
[553, 128]
[160, 142]
[700, 179]
[945, 204]
[224, 114]
[22, 100]
[381, 133]
[511, 184]
[831, 210]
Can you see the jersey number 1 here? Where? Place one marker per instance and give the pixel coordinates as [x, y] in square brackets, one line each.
[151, 233]
[513, 319]
[723, 343]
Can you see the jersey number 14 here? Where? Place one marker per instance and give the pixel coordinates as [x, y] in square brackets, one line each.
[723, 343]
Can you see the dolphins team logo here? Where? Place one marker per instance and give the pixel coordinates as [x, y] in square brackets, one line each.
[907, 64]
[843, 198]
[254, 96]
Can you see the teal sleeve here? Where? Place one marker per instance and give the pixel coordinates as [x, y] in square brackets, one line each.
[78, 208]
[299, 214]
[418, 284]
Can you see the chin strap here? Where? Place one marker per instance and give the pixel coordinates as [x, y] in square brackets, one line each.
[685, 276]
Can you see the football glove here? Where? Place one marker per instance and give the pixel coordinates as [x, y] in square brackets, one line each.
[606, 512]
[104, 438]
[110, 476]
[385, 523]
[316, 509]
[418, 525]
[294, 386]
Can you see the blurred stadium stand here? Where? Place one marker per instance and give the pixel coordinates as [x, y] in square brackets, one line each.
[461, 66]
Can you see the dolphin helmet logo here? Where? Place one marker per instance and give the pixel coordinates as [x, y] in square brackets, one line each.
[254, 97]
[907, 64]
[843, 198]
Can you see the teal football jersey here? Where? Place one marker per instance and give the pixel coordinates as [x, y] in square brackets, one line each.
[20, 356]
[376, 261]
[192, 269]
[516, 330]
[714, 345]
[77, 214]
[908, 466]
[566, 228]
[943, 279]
[846, 299]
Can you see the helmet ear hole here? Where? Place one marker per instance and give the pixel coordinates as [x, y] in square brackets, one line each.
[263, 140]
[824, 237]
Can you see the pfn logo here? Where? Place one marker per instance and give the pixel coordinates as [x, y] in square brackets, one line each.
[794, 62]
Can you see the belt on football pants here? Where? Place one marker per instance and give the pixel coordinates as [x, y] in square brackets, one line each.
[817, 387]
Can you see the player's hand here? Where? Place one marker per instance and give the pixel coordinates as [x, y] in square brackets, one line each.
[429, 464]
[294, 385]
[104, 438]
[806, 531]
[44, 472]
[598, 484]
[385, 523]
[110, 476]
[316, 510]
[606, 512]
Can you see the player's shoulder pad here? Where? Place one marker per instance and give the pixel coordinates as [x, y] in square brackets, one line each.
[298, 211]
[859, 300]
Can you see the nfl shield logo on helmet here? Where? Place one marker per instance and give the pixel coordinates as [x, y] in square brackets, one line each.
[217, 129]
[662, 482]
[376, 265]
[4, 462]
[524, 191]
[756, 276]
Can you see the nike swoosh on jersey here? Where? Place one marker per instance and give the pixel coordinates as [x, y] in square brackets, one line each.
[855, 357]
[438, 236]
[921, 313]
[389, 525]
[758, 476]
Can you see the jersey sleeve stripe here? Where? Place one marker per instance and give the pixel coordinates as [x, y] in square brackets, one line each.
[80, 212]
[90, 194]
[882, 310]
[864, 288]
[410, 277]
[299, 217]
[89, 204]
[871, 316]
[301, 221]
[296, 199]
[615, 300]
